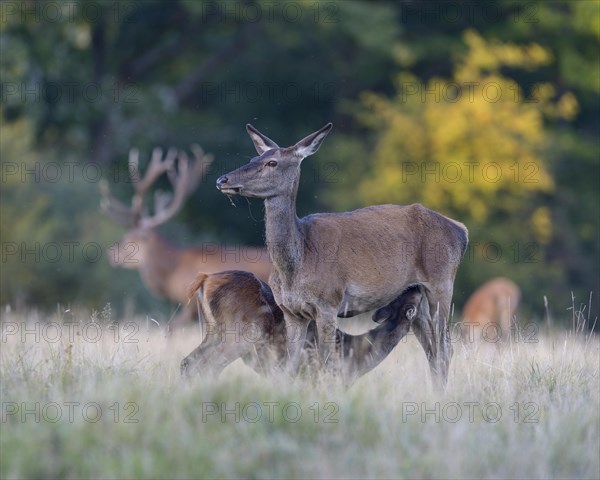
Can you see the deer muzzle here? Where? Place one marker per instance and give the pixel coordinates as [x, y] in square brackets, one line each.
[226, 187]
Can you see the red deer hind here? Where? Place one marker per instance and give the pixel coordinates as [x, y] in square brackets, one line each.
[166, 269]
[489, 311]
[373, 254]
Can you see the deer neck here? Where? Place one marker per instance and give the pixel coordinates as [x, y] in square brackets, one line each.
[283, 232]
[162, 260]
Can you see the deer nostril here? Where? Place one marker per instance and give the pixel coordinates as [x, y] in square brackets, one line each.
[222, 180]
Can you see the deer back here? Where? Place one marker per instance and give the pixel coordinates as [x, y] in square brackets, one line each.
[366, 258]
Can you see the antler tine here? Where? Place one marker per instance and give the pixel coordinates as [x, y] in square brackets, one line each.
[163, 208]
[155, 169]
[196, 172]
[182, 164]
[200, 168]
[117, 211]
[184, 180]
[133, 164]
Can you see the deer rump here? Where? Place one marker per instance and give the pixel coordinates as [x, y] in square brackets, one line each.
[239, 319]
[242, 320]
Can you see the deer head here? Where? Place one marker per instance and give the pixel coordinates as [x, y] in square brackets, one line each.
[275, 171]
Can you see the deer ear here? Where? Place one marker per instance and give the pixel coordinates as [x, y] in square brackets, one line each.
[309, 145]
[262, 143]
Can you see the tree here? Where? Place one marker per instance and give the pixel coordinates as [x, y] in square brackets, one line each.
[474, 147]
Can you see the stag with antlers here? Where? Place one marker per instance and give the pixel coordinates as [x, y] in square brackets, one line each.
[166, 269]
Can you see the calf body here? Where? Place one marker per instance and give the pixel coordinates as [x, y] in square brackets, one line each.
[243, 320]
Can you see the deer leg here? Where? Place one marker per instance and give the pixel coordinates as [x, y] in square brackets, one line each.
[425, 331]
[328, 344]
[296, 329]
[310, 352]
[310, 363]
[213, 357]
[442, 322]
[267, 355]
[431, 329]
[362, 353]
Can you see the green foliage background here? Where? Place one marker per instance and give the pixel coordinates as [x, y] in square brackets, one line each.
[82, 87]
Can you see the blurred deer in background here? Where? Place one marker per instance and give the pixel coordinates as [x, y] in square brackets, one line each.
[166, 269]
[487, 316]
[242, 320]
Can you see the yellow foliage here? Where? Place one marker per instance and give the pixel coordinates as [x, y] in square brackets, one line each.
[587, 17]
[458, 145]
[489, 56]
[541, 221]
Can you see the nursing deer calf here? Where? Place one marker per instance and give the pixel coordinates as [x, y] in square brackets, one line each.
[329, 266]
[242, 320]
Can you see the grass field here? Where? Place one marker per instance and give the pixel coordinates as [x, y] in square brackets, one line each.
[82, 400]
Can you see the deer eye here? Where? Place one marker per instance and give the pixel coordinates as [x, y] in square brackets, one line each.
[271, 163]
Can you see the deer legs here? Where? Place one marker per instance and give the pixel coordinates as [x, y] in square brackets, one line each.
[362, 353]
[297, 328]
[351, 356]
[238, 302]
[431, 329]
[326, 339]
[212, 357]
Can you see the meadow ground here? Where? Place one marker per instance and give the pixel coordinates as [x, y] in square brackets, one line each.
[83, 400]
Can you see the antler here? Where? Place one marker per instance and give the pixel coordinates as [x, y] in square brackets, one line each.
[117, 211]
[184, 181]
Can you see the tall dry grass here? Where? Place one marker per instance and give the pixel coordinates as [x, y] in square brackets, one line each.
[79, 405]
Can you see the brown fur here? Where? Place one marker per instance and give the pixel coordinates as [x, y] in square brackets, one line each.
[341, 264]
[242, 320]
[167, 270]
[488, 313]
